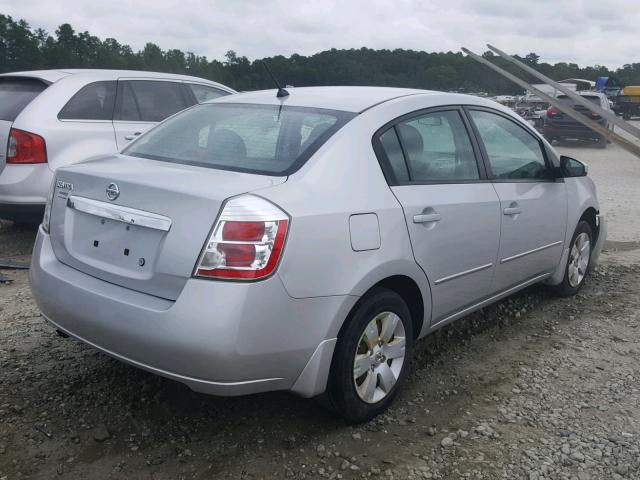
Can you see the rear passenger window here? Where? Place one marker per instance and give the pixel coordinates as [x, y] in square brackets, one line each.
[204, 93]
[513, 152]
[149, 100]
[92, 102]
[436, 147]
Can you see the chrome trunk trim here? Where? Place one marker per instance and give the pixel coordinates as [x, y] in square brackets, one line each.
[118, 213]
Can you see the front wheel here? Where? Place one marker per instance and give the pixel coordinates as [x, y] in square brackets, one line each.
[372, 356]
[578, 261]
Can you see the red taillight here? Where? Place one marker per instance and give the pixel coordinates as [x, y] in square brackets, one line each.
[594, 115]
[237, 255]
[25, 147]
[247, 240]
[552, 112]
[243, 231]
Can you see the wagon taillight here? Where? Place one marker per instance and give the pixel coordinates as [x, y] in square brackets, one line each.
[26, 148]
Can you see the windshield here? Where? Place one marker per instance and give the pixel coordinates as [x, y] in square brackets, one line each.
[16, 93]
[263, 139]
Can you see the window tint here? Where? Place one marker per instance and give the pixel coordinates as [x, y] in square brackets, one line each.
[16, 93]
[149, 100]
[204, 93]
[513, 152]
[393, 150]
[92, 102]
[127, 103]
[265, 139]
[438, 148]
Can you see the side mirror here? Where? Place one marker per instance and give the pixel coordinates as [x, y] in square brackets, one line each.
[570, 167]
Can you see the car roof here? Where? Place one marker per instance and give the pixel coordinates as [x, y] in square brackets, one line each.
[349, 99]
[107, 74]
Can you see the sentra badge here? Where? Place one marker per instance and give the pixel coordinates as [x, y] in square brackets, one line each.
[64, 185]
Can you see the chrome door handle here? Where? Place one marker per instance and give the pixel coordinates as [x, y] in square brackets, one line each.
[427, 218]
[512, 210]
[132, 136]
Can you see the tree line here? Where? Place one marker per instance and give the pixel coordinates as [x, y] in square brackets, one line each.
[25, 48]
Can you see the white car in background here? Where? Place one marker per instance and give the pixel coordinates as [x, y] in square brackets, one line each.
[51, 118]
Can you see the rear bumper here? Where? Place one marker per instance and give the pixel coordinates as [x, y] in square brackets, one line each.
[222, 338]
[27, 184]
[552, 130]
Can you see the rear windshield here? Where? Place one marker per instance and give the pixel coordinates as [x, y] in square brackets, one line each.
[592, 98]
[264, 139]
[16, 93]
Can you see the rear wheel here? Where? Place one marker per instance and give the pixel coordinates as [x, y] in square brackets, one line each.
[578, 261]
[372, 356]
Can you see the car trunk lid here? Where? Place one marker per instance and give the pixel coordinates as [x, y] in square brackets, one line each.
[140, 223]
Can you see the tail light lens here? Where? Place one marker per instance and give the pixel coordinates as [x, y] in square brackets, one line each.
[25, 148]
[553, 112]
[247, 240]
[594, 115]
[46, 218]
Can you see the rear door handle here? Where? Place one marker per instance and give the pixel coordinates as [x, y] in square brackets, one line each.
[132, 136]
[512, 210]
[427, 218]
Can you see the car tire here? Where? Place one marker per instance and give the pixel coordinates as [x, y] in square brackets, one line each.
[578, 261]
[369, 362]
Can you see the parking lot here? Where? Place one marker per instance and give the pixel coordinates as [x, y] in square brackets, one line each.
[534, 387]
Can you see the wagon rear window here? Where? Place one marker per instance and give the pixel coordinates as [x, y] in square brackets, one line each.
[263, 139]
[16, 93]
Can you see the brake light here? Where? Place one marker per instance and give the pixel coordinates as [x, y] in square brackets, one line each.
[25, 148]
[594, 115]
[553, 112]
[247, 240]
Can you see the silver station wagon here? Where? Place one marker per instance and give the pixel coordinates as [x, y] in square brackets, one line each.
[51, 118]
[304, 242]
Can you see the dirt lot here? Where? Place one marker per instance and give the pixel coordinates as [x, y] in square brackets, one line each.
[535, 388]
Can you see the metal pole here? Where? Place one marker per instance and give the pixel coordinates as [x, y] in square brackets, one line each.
[614, 137]
[607, 114]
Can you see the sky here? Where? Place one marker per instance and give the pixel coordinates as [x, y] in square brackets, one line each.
[587, 32]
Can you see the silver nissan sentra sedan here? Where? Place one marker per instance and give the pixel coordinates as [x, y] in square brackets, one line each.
[304, 242]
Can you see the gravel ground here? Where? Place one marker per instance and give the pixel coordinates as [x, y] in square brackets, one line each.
[534, 387]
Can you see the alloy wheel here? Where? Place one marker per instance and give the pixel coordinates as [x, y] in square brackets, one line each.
[379, 357]
[579, 259]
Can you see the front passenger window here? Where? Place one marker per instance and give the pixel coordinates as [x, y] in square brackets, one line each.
[513, 152]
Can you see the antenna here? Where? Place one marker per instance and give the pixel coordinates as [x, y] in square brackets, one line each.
[281, 91]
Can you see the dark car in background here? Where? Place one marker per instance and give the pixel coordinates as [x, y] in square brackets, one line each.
[559, 126]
